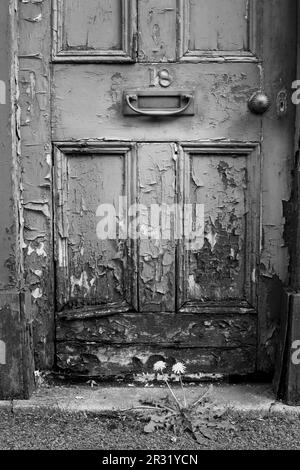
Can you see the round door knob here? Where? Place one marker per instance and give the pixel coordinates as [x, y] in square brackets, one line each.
[259, 103]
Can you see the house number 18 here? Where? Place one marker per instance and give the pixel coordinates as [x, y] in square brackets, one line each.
[160, 77]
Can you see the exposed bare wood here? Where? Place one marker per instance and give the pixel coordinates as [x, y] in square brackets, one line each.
[168, 330]
[91, 359]
[98, 311]
[224, 307]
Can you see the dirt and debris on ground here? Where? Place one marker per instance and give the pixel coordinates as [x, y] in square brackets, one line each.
[95, 416]
[56, 430]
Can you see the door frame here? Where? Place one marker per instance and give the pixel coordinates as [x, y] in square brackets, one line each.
[287, 370]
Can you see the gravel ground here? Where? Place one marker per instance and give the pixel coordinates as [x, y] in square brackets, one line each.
[59, 430]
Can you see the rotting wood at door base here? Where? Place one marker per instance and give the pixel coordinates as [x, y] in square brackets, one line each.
[92, 359]
[16, 359]
[130, 343]
[287, 376]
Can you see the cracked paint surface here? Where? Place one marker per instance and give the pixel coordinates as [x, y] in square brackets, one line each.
[87, 106]
[92, 25]
[156, 256]
[211, 32]
[91, 270]
[216, 272]
[36, 167]
[157, 26]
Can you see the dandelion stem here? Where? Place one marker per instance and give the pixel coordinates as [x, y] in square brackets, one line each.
[173, 394]
[183, 391]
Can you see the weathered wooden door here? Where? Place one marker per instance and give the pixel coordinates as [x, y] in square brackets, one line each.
[155, 146]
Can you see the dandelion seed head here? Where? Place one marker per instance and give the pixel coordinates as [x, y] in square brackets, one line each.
[159, 366]
[179, 368]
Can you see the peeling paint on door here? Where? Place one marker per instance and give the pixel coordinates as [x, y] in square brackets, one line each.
[35, 162]
[100, 154]
[157, 256]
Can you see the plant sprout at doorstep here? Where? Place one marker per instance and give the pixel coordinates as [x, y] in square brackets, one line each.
[178, 369]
